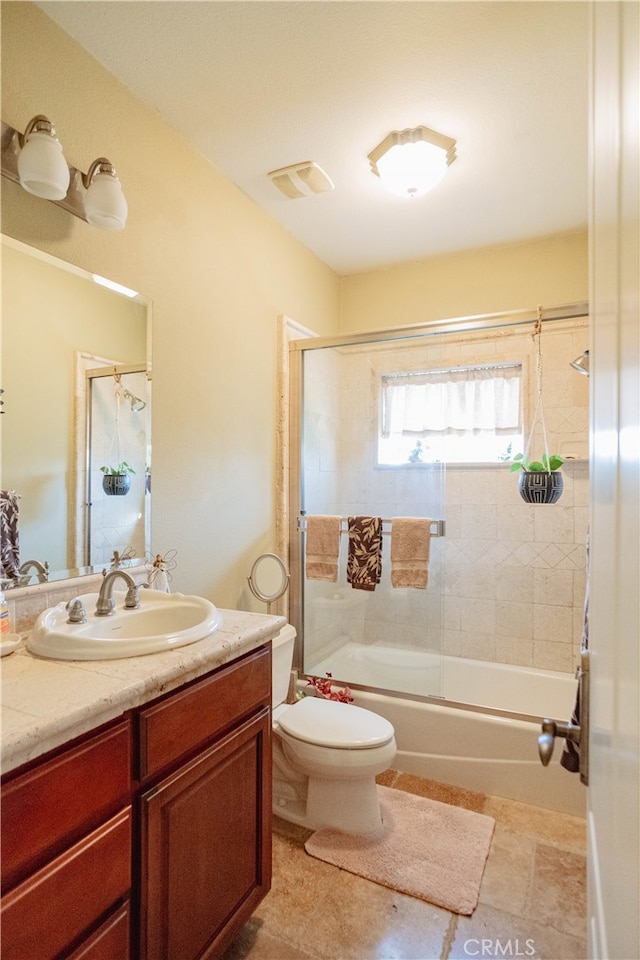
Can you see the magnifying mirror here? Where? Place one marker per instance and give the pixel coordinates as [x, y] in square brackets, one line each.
[268, 579]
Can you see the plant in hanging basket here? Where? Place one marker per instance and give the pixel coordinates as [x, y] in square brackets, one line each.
[116, 481]
[540, 481]
[543, 465]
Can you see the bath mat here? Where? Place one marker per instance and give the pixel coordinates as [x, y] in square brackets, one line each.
[429, 850]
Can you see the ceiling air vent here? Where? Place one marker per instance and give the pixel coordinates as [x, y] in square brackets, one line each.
[301, 179]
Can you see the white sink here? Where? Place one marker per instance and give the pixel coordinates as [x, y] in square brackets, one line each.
[163, 621]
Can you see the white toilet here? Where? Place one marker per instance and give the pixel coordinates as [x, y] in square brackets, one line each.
[326, 755]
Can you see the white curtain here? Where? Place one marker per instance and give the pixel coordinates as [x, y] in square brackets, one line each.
[472, 400]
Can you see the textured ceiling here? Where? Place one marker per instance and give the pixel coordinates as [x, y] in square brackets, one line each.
[259, 85]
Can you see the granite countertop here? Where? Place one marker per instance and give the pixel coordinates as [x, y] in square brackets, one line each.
[45, 703]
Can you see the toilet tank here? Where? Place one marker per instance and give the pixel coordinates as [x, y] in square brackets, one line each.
[281, 660]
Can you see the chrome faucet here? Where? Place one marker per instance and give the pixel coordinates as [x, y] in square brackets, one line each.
[106, 603]
[42, 569]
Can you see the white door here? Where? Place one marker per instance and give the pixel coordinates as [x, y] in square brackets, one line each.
[614, 790]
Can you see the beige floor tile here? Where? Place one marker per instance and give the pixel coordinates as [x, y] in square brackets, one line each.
[443, 792]
[558, 894]
[495, 933]
[557, 828]
[508, 873]
[357, 919]
[255, 944]
[532, 896]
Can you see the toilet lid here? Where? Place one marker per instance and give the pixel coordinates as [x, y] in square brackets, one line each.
[330, 723]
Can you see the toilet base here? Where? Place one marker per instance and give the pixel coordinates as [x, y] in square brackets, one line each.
[348, 805]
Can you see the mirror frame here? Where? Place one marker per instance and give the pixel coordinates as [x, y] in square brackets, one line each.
[284, 583]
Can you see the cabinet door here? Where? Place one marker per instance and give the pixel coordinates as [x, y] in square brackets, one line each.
[206, 846]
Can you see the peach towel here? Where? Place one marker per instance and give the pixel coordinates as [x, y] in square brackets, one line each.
[410, 541]
[322, 547]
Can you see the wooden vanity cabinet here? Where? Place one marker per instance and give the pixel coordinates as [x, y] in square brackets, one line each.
[205, 811]
[150, 838]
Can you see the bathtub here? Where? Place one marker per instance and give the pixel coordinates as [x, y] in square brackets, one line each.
[477, 728]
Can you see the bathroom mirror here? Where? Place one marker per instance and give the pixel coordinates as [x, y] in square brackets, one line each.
[268, 579]
[60, 328]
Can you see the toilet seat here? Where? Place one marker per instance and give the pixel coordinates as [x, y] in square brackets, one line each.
[330, 723]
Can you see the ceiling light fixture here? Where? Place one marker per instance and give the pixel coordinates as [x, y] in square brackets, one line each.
[411, 162]
[35, 161]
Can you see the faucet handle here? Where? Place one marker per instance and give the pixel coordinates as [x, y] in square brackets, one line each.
[132, 600]
[77, 613]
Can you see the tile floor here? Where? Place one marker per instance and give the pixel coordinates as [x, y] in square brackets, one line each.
[532, 899]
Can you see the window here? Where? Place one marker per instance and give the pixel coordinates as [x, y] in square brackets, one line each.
[456, 414]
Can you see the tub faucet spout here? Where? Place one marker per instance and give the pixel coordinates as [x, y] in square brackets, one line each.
[106, 603]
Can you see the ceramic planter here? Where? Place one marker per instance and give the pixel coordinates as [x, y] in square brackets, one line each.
[540, 487]
[116, 484]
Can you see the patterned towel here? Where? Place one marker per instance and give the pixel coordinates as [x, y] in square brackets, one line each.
[364, 560]
[9, 546]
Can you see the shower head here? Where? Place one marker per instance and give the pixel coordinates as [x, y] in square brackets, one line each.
[136, 403]
[581, 364]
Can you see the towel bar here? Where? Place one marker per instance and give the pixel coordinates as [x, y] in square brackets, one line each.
[438, 527]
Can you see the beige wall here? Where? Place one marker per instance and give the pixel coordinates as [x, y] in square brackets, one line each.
[219, 271]
[549, 272]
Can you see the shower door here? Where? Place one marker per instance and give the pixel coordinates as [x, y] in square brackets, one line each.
[388, 638]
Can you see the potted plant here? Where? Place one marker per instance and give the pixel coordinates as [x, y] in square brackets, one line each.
[540, 481]
[116, 481]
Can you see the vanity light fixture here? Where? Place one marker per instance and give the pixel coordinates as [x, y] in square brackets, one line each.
[411, 162]
[104, 204]
[35, 161]
[42, 168]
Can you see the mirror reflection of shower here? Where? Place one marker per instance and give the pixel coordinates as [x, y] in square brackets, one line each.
[118, 435]
[135, 402]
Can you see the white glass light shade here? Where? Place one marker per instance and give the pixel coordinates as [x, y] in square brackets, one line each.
[104, 204]
[411, 169]
[411, 162]
[42, 167]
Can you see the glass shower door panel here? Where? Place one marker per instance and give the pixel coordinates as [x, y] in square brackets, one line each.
[389, 638]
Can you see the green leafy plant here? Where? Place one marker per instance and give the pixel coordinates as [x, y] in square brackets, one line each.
[543, 465]
[121, 470]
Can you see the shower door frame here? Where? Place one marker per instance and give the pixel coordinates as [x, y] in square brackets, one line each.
[569, 311]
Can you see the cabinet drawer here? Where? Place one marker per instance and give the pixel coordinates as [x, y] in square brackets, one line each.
[110, 941]
[47, 808]
[44, 915]
[181, 722]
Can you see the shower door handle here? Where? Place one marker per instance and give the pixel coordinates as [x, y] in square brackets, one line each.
[577, 733]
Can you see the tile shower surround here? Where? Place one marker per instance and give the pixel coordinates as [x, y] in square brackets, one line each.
[512, 574]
